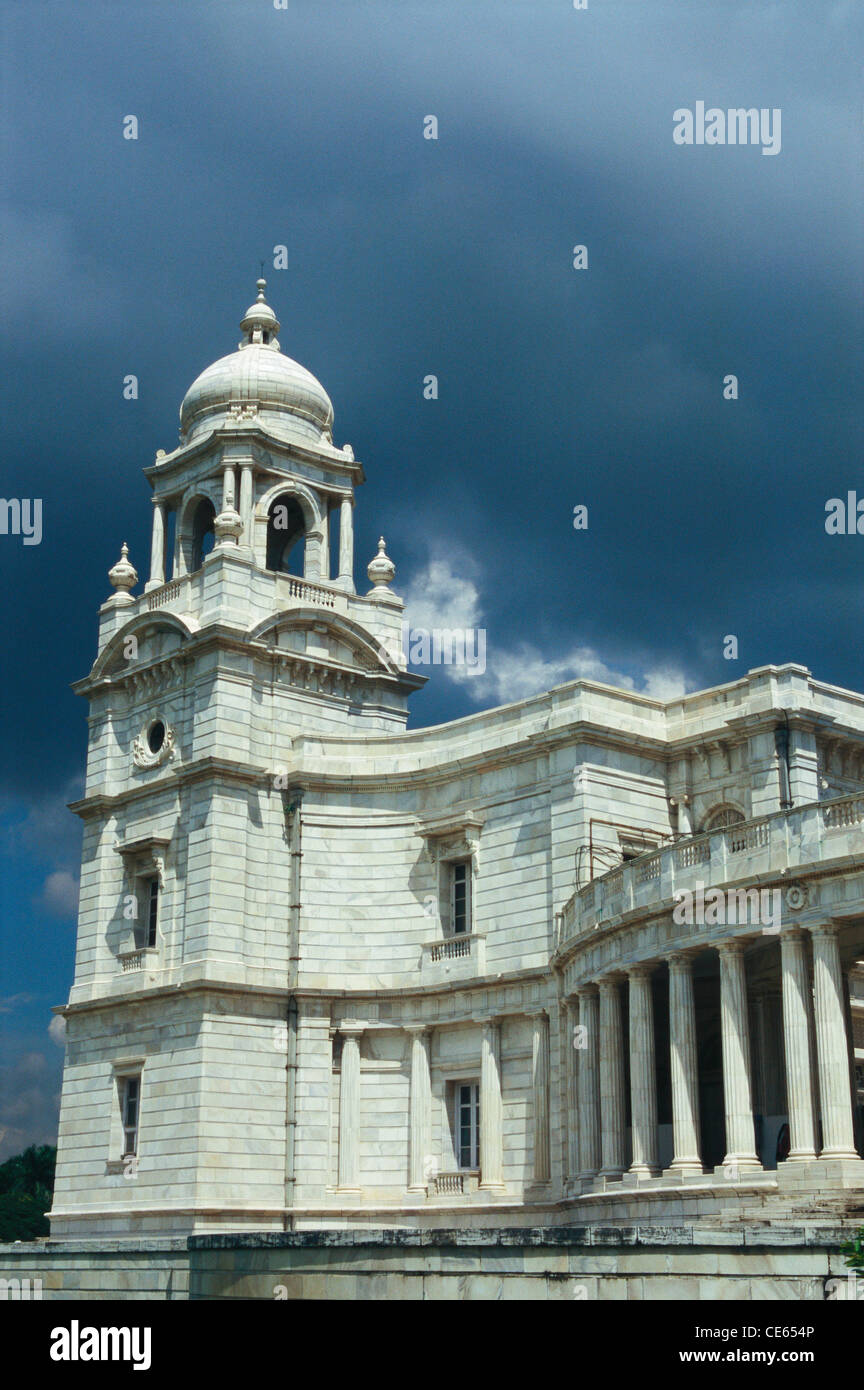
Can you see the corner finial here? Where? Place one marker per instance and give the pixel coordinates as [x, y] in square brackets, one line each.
[380, 571]
[123, 576]
[262, 285]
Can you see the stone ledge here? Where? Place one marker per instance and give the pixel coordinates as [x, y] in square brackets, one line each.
[746, 1236]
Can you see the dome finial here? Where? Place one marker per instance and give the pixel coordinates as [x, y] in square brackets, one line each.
[260, 324]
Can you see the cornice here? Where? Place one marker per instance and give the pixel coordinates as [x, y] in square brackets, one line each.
[390, 994]
[248, 436]
[199, 770]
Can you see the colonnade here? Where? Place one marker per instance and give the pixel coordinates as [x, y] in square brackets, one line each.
[811, 1018]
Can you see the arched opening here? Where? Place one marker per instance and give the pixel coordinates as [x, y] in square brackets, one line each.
[720, 817]
[203, 537]
[286, 536]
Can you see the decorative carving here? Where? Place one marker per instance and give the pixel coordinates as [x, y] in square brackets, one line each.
[797, 896]
[144, 756]
[243, 410]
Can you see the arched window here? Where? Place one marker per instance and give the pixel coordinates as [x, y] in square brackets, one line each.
[720, 817]
[202, 533]
[286, 532]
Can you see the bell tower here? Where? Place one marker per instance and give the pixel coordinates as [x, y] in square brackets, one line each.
[248, 632]
[260, 504]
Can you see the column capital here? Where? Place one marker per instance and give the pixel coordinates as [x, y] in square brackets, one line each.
[797, 932]
[351, 1030]
[831, 927]
[730, 949]
[681, 962]
[417, 1029]
[589, 990]
[643, 970]
[611, 981]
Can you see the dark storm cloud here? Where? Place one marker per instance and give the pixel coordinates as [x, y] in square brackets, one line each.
[410, 257]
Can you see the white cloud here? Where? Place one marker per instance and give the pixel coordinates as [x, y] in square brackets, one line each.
[444, 595]
[440, 597]
[59, 894]
[57, 1030]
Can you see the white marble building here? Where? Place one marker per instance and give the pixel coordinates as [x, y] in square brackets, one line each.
[332, 972]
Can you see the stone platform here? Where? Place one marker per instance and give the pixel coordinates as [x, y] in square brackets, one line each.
[689, 1261]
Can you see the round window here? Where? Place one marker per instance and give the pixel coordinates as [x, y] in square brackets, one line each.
[156, 736]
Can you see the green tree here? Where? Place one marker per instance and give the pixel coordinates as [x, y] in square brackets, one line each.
[854, 1251]
[26, 1186]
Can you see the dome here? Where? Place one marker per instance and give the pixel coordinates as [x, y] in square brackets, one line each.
[258, 381]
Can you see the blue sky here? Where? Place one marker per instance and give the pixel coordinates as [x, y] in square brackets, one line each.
[304, 127]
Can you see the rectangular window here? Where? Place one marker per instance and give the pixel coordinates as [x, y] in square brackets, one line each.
[460, 898]
[130, 1097]
[466, 1123]
[152, 911]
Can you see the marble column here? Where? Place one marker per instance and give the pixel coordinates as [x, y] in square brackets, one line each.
[227, 488]
[157, 547]
[491, 1109]
[246, 491]
[797, 1046]
[569, 1020]
[589, 1091]
[540, 1090]
[419, 1107]
[643, 1076]
[737, 1080]
[179, 554]
[684, 1066]
[346, 544]
[324, 556]
[349, 1110]
[613, 1113]
[835, 1092]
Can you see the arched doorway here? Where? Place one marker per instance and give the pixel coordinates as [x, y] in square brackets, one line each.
[286, 536]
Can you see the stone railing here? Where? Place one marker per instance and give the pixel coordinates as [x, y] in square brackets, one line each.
[454, 1184]
[448, 1184]
[158, 598]
[770, 844]
[452, 949]
[462, 955]
[137, 959]
[311, 593]
[291, 586]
